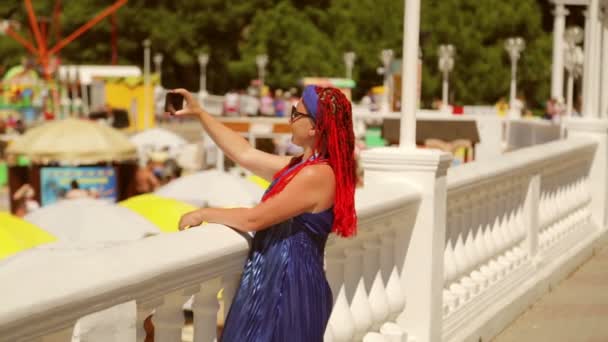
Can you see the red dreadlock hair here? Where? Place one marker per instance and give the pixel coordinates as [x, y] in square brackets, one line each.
[336, 142]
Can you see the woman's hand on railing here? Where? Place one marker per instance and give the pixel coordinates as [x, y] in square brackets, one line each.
[189, 220]
[191, 104]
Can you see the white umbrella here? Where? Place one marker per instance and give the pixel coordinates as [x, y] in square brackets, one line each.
[73, 141]
[91, 220]
[213, 188]
[156, 139]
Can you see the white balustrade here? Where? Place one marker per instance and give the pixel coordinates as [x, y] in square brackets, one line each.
[506, 220]
[434, 259]
[365, 272]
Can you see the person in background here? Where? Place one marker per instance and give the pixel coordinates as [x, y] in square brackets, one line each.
[148, 178]
[231, 103]
[25, 198]
[550, 109]
[502, 107]
[266, 103]
[75, 191]
[279, 103]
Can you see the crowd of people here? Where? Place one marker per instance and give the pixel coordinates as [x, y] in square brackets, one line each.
[269, 103]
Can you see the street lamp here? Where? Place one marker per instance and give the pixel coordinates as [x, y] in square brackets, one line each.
[387, 58]
[573, 61]
[261, 61]
[146, 43]
[514, 47]
[158, 61]
[203, 60]
[349, 60]
[446, 64]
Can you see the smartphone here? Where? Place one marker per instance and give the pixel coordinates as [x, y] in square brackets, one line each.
[173, 102]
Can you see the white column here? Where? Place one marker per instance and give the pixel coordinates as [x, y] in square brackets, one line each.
[604, 66]
[409, 72]
[590, 93]
[557, 74]
[597, 130]
[422, 241]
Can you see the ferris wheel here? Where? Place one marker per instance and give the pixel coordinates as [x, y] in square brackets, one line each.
[46, 55]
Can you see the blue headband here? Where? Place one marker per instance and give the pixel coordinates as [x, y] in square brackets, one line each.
[311, 101]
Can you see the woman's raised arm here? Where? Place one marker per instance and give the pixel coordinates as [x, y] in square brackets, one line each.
[233, 144]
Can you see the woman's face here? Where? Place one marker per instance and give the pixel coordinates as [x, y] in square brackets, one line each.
[302, 126]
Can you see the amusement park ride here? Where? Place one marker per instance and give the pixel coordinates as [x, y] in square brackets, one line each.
[46, 55]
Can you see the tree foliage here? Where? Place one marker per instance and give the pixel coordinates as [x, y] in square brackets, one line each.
[308, 38]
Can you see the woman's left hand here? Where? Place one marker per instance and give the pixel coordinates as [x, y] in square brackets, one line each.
[191, 219]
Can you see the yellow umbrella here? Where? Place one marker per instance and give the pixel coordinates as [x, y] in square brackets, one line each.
[261, 182]
[17, 235]
[163, 212]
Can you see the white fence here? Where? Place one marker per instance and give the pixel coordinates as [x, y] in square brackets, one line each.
[439, 256]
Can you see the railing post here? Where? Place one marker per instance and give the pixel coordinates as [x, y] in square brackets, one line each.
[596, 129]
[531, 213]
[421, 262]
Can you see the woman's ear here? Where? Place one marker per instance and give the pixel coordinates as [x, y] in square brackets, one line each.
[312, 132]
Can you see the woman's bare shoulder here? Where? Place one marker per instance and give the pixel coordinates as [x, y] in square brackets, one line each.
[319, 174]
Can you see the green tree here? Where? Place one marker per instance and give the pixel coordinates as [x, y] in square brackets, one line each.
[295, 47]
[478, 30]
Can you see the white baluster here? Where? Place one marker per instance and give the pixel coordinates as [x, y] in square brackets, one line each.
[64, 335]
[328, 336]
[377, 297]
[169, 318]
[144, 309]
[230, 283]
[355, 290]
[394, 291]
[459, 257]
[341, 321]
[450, 267]
[393, 333]
[374, 337]
[205, 307]
[467, 222]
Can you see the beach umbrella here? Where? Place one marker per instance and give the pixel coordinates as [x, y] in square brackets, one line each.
[213, 188]
[73, 141]
[17, 235]
[163, 212]
[156, 139]
[86, 219]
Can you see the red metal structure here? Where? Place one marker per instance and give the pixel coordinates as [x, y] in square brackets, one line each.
[43, 52]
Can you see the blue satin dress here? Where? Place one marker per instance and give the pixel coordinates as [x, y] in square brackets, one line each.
[283, 294]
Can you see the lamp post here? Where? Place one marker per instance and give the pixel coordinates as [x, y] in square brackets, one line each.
[349, 61]
[573, 61]
[261, 61]
[158, 62]
[514, 47]
[387, 57]
[146, 43]
[203, 60]
[446, 64]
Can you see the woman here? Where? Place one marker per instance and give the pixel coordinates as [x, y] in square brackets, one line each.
[283, 294]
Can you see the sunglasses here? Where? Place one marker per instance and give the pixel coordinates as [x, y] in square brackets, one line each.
[295, 115]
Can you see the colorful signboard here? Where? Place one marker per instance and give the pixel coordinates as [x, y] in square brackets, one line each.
[58, 183]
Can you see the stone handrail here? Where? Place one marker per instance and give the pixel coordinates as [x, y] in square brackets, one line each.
[162, 272]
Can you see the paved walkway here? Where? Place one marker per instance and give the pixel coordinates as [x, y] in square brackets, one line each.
[575, 311]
